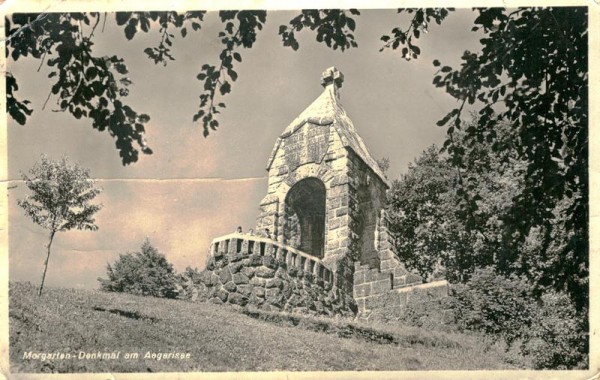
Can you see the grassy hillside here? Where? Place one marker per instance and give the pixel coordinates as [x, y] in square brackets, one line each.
[217, 338]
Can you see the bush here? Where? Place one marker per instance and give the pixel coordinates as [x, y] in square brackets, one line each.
[557, 338]
[547, 333]
[146, 273]
[188, 282]
[432, 315]
[494, 304]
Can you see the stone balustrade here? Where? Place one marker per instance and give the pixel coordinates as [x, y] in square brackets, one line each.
[245, 269]
[246, 244]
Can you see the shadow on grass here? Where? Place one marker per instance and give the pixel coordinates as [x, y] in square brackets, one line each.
[350, 330]
[128, 314]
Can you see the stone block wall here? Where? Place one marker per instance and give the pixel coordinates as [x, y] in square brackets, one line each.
[385, 294]
[309, 150]
[244, 269]
[367, 196]
[385, 291]
[391, 304]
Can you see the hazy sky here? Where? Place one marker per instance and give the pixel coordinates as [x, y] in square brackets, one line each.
[193, 189]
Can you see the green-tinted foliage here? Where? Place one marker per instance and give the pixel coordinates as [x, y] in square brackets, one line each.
[494, 304]
[549, 332]
[419, 24]
[60, 199]
[334, 27]
[532, 74]
[421, 211]
[556, 339]
[187, 283]
[60, 196]
[146, 273]
[86, 85]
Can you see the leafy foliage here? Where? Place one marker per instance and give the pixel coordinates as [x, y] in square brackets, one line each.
[384, 164]
[334, 27]
[419, 24]
[18, 110]
[142, 21]
[532, 74]
[556, 339]
[460, 215]
[241, 28]
[187, 283]
[86, 85]
[495, 304]
[422, 216]
[146, 273]
[61, 195]
[441, 228]
[548, 332]
[60, 199]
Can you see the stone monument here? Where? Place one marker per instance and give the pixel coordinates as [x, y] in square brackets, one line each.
[323, 244]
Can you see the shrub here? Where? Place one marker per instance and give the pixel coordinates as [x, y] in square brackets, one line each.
[557, 338]
[548, 333]
[432, 315]
[187, 283]
[494, 304]
[146, 273]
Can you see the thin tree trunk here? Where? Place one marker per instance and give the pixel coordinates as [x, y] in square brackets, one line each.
[47, 259]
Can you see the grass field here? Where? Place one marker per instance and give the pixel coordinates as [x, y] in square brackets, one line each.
[217, 338]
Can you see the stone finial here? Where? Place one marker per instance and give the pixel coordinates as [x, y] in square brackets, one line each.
[332, 75]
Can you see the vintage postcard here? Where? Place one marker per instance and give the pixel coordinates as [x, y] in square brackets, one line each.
[299, 190]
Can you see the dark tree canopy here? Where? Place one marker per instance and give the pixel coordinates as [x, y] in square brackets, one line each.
[460, 217]
[88, 86]
[532, 74]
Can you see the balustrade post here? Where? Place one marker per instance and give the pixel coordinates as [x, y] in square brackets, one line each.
[307, 268]
[300, 263]
[232, 245]
[315, 269]
[280, 254]
[245, 245]
[257, 248]
[223, 246]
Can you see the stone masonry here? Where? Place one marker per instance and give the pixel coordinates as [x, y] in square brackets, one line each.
[245, 269]
[324, 206]
[380, 292]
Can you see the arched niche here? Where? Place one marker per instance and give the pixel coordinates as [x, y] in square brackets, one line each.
[304, 226]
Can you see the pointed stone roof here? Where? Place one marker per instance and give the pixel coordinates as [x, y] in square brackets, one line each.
[327, 110]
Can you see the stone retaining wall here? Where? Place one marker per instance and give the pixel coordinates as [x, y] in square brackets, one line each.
[385, 303]
[244, 269]
[385, 290]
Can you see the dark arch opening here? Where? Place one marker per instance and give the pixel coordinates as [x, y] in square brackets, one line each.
[305, 216]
